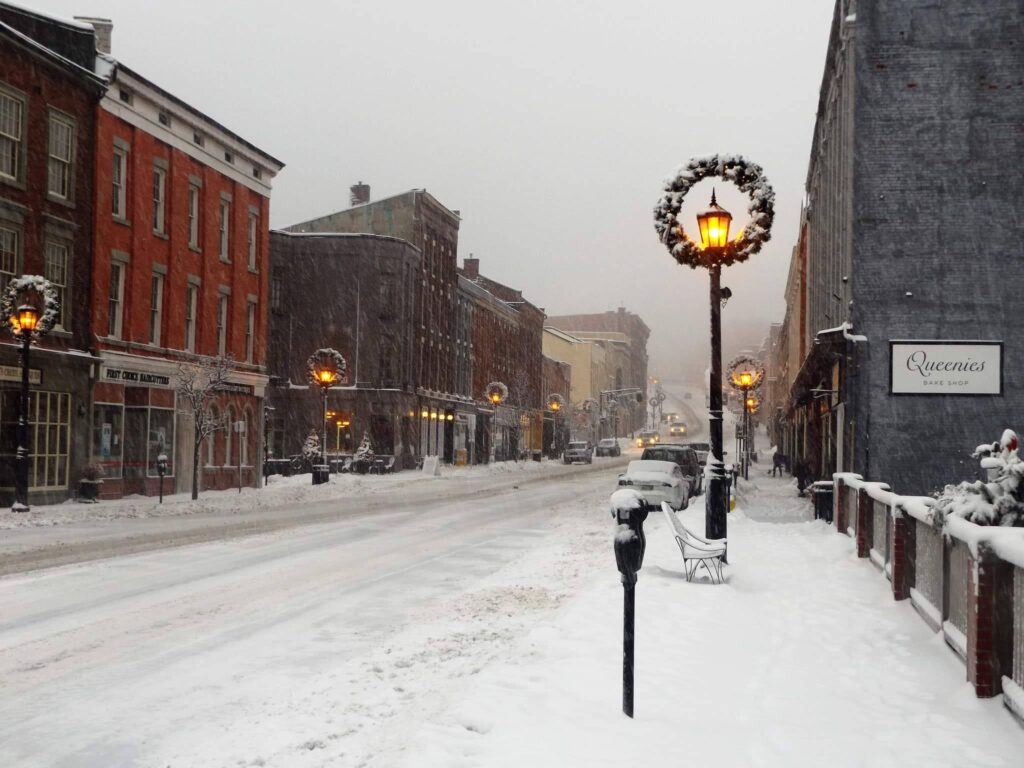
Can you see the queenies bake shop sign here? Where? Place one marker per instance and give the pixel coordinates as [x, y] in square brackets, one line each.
[946, 367]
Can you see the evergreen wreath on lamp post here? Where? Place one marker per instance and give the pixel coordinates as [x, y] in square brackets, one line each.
[325, 368]
[749, 178]
[16, 293]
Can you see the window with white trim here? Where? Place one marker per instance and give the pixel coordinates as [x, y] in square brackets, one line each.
[9, 255]
[62, 152]
[191, 304]
[193, 216]
[222, 324]
[49, 422]
[250, 331]
[56, 271]
[229, 435]
[119, 178]
[225, 225]
[156, 308]
[12, 120]
[115, 300]
[253, 243]
[159, 200]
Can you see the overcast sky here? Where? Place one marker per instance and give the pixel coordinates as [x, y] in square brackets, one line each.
[550, 124]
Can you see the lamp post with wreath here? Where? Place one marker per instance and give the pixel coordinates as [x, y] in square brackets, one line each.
[745, 376]
[556, 404]
[714, 251]
[29, 309]
[325, 368]
[496, 393]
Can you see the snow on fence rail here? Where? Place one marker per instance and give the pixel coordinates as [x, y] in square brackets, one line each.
[965, 580]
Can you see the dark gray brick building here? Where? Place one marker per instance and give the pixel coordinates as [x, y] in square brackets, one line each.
[914, 230]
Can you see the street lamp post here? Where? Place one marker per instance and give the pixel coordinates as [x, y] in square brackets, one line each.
[713, 251]
[24, 323]
[496, 393]
[714, 234]
[326, 367]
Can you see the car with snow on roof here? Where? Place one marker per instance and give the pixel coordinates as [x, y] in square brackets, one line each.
[578, 450]
[657, 481]
[608, 447]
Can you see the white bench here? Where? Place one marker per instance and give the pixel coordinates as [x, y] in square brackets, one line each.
[696, 550]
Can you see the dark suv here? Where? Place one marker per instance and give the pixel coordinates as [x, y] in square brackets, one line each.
[685, 457]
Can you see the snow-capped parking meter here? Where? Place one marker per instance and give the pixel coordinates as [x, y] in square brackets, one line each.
[161, 470]
[629, 510]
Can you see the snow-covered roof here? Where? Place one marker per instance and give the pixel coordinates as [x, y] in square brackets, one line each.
[341, 235]
[41, 49]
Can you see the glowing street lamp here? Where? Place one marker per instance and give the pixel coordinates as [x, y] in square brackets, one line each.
[714, 225]
[325, 367]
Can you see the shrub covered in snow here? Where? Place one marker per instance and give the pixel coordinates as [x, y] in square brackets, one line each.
[997, 501]
[311, 448]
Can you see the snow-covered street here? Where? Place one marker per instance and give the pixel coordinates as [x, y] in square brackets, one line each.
[484, 632]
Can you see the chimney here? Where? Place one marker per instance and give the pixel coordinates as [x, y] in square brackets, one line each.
[104, 29]
[471, 267]
[360, 194]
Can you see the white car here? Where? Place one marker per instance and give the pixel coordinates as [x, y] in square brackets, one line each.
[657, 481]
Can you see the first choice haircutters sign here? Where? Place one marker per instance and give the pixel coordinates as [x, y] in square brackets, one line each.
[946, 367]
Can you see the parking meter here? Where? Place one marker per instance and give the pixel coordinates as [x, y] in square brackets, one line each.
[630, 541]
[629, 510]
[161, 469]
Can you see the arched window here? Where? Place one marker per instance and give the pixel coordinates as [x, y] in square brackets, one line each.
[229, 435]
[246, 436]
[211, 439]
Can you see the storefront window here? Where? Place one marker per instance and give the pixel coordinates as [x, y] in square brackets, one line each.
[107, 437]
[161, 439]
[49, 415]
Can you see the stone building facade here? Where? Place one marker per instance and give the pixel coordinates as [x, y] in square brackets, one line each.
[419, 218]
[48, 97]
[911, 233]
[354, 293]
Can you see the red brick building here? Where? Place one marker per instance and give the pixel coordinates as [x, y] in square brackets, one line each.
[181, 241]
[48, 96]
[507, 334]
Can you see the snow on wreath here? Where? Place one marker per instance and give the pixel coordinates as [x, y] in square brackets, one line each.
[326, 360]
[749, 178]
[496, 388]
[745, 364]
[1000, 500]
[15, 294]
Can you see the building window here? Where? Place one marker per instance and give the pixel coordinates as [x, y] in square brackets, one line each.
[49, 417]
[193, 216]
[257, 173]
[161, 440]
[62, 150]
[8, 256]
[250, 331]
[229, 157]
[191, 304]
[119, 202]
[56, 271]
[276, 288]
[253, 240]
[198, 139]
[124, 95]
[116, 300]
[211, 440]
[12, 117]
[107, 437]
[222, 324]
[243, 440]
[225, 223]
[156, 308]
[165, 118]
[159, 199]
[229, 435]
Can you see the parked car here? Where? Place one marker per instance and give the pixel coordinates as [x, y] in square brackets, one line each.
[578, 450]
[702, 449]
[685, 457]
[647, 437]
[609, 447]
[677, 429]
[657, 481]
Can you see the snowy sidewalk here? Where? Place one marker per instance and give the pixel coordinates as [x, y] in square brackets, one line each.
[801, 659]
